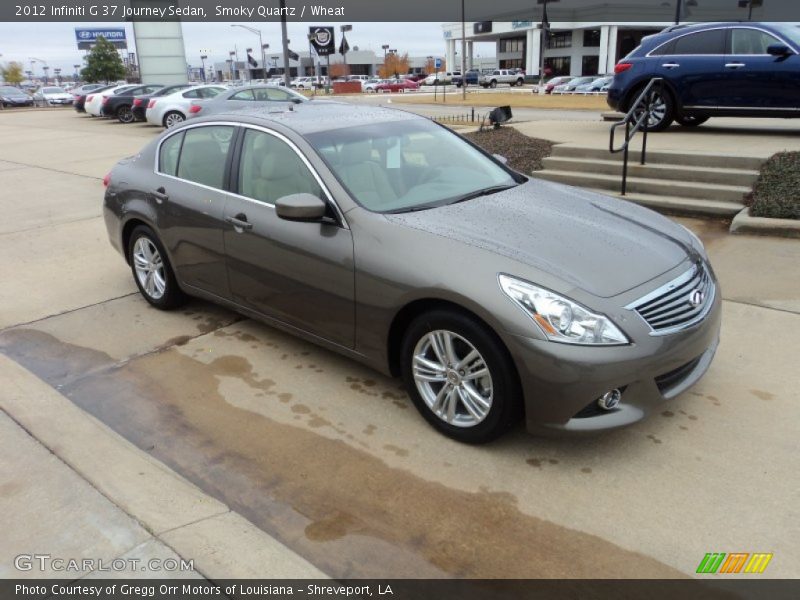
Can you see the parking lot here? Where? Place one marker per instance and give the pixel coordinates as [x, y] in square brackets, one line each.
[331, 458]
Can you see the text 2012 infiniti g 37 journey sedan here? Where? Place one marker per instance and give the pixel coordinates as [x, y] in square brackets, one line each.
[386, 237]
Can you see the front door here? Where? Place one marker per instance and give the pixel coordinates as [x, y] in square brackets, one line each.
[299, 273]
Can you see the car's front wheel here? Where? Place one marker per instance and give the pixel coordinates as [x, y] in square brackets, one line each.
[493, 84]
[152, 271]
[691, 121]
[460, 377]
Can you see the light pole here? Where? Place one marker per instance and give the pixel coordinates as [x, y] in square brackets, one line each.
[34, 60]
[344, 29]
[679, 6]
[203, 58]
[463, 52]
[76, 67]
[260, 45]
[545, 28]
[285, 44]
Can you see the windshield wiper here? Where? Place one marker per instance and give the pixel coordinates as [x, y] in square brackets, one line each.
[482, 192]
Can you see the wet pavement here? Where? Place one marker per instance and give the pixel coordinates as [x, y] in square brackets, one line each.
[332, 459]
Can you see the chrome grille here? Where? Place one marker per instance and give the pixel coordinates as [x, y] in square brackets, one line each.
[679, 304]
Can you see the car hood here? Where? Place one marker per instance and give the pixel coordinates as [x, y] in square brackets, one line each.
[594, 242]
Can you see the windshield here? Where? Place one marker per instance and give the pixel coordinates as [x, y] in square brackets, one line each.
[53, 90]
[790, 31]
[408, 165]
[9, 90]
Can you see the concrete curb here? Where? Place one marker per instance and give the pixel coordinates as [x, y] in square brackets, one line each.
[744, 223]
[172, 509]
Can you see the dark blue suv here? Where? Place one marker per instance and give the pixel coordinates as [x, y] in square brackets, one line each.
[713, 70]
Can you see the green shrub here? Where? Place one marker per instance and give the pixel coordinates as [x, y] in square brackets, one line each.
[776, 194]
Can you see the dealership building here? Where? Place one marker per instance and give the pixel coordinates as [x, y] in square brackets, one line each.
[572, 48]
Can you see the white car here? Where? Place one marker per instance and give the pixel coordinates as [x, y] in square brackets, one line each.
[168, 111]
[440, 78]
[52, 96]
[304, 83]
[94, 102]
[368, 86]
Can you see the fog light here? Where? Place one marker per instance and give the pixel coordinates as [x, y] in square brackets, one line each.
[610, 400]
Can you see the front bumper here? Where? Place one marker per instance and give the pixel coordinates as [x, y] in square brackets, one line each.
[561, 382]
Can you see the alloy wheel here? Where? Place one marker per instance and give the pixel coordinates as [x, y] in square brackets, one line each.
[658, 110]
[453, 378]
[149, 267]
[125, 115]
[173, 119]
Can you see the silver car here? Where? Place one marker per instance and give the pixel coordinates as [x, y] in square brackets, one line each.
[251, 96]
[386, 237]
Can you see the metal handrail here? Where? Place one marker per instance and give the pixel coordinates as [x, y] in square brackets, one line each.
[640, 124]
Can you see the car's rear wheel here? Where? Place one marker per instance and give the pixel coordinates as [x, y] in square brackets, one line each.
[152, 271]
[662, 109]
[459, 376]
[173, 118]
[125, 114]
[691, 121]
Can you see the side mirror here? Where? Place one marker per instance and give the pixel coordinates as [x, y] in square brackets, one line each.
[779, 50]
[300, 207]
[501, 158]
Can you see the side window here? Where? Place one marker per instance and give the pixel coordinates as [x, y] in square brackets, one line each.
[202, 158]
[751, 41]
[663, 50]
[274, 95]
[209, 92]
[192, 94]
[704, 42]
[271, 169]
[168, 156]
[243, 95]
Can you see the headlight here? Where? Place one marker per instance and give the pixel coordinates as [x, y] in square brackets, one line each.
[561, 319]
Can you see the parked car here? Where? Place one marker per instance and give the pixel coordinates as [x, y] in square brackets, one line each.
[79, 104]
[357, 77]
[571, 85]
[594, 86]
[709, 70]
[441, 77]
[52, 96]
[472, 77]
[576, 311]
[247, 97]
[172, 109]
[86, 88]
[304, 83]
[94, 101]
[12, 96]
[368, 86]
[505, 76]
[120, 106]
[276, 81]
[140, 102]
[396, 85]
[556, 81]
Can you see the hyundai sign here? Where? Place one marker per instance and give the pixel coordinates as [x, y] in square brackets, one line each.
[87, 38]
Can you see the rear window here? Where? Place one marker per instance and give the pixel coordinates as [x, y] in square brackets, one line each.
[702, 43]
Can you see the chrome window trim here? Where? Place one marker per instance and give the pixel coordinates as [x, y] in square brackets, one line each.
[667, 287]
[728, 27]
[262, 129]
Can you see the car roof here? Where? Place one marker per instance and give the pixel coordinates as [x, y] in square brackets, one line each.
[314, 117]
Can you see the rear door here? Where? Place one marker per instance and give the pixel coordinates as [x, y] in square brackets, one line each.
[756, 80]
[193, 164]
[693, 65]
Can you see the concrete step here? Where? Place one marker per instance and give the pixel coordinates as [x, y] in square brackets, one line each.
[734, 177]
[721, 161]
[674, 205]
[639, 185]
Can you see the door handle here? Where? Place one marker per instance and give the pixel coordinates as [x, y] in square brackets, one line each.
[671, 65]
[160, 195]
[239, 222]
[734, 65]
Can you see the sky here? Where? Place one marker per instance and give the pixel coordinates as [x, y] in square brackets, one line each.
[54, 43]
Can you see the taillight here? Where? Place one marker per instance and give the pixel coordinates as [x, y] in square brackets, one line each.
[622, 67]
[89, 98]
[195, 108]
[151, 104]
[107, 179]
[137, 101]
[105, 99]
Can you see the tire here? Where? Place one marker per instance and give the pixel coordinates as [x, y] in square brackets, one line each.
[173, 118]
[125, 114]
[471, 422]
[663, 108]
[691, 121]
[520, 82]
[152, 271]
[493, 84]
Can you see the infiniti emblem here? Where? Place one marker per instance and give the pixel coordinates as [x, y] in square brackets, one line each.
[696, 298]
